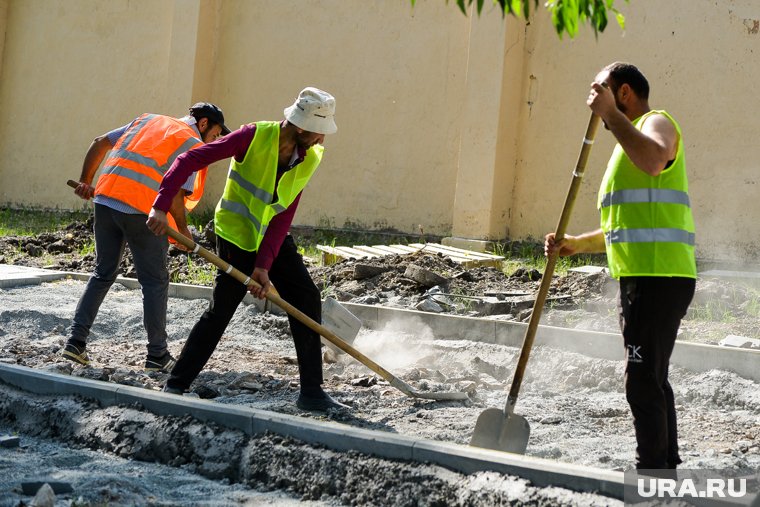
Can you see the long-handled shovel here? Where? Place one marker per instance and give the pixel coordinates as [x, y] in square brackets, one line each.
[306, 320]
[503, 430]
[313, 325]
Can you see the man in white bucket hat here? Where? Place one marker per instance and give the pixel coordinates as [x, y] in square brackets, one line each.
[272, 161]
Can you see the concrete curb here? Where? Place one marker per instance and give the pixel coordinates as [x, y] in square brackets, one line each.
[692, 356]
[13, 276]
[339, 437]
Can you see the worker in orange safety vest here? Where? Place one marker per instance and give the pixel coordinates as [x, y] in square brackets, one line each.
[136, 157]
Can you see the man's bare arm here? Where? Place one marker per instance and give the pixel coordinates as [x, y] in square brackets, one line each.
[97, 151]
[651, 148]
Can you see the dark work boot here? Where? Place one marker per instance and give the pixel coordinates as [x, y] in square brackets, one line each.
[316, 400]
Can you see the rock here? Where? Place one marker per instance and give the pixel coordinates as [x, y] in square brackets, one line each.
[524, 315]
[208, 232]
[58, 487]
[491, 306]
[424, 277]
[370, 299]
[329, 356]
[33, 250]
[364, 381]
[743, 445]
[59, 247]
[207, 392]
[428, 305]
[251, 386]
[45, 497]
[552, 419]
[362, 271]
[9, 442]
[468, 387]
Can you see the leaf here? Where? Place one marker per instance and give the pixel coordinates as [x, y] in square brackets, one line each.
[480, 6]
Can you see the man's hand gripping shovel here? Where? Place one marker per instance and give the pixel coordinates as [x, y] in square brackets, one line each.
[503, 430]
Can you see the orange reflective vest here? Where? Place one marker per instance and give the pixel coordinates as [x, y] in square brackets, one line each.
[134, 168]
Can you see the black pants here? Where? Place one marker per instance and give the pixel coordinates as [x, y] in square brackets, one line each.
[651, 309]
[294, 284]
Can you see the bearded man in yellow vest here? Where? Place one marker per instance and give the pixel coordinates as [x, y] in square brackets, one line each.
[648, 234]
[139, 154]
[272, 161]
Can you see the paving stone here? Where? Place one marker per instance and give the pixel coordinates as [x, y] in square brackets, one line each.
[740, 342]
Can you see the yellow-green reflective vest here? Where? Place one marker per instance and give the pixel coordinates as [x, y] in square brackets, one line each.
[247, 205]
[647, 222]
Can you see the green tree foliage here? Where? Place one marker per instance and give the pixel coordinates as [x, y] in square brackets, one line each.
[567, 15]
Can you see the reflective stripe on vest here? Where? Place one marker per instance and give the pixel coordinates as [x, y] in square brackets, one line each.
[248, 204]
[645, 195]
[134, 168]
[649, 236]
[647, 221]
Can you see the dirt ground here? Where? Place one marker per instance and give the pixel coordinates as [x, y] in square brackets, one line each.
[575, 404]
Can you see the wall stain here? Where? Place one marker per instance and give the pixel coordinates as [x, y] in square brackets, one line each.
[753, 26]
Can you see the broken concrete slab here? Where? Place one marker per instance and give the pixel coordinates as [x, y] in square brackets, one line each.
[423, 276]
[742, 342]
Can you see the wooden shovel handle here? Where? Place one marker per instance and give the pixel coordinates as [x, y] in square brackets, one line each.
[276, 299]
[551, 261]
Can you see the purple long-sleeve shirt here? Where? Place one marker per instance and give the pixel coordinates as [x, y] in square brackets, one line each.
[234, 144]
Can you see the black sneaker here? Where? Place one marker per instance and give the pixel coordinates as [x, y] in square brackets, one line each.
[318, 402]
[163, 364]
[76, 353]
[173, 390]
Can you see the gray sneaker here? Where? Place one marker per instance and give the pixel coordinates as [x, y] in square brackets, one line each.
[163, 364]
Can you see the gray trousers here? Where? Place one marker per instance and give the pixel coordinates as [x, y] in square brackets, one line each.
[113, 230]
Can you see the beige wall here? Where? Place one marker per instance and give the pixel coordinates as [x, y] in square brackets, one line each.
[700, 59]
[465, 126]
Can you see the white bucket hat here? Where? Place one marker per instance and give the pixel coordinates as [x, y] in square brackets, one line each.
[314, 111]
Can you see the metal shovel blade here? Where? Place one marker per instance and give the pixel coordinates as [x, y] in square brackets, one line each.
[495, 429]
[340, 321]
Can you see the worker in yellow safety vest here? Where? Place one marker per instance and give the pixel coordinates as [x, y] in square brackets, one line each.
[272, 161]
[647, 231]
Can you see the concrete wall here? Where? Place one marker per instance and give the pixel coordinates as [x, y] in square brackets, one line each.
[467, 127]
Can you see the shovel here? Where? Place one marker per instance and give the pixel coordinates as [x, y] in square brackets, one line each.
[313, 325]
[307, 321]
[503, 430]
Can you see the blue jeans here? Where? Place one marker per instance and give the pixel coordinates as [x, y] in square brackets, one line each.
[114, 230]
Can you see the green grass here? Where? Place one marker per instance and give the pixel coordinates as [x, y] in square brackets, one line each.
[518, 254]
[199, 272]
[23, 222]
[530, 255]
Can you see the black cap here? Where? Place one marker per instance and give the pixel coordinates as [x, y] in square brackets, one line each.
[210, 111]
